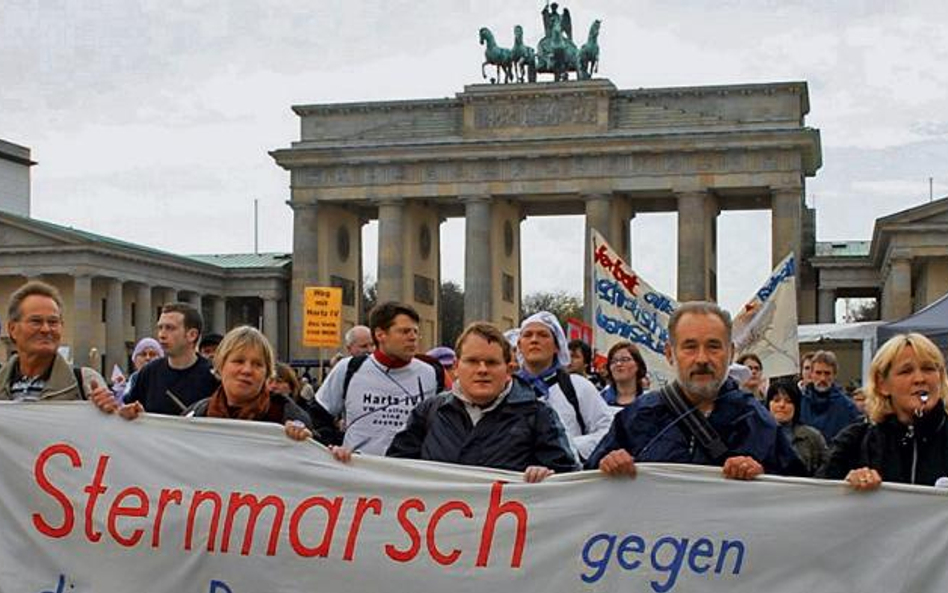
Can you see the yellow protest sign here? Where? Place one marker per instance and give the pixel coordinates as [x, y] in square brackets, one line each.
[322, 317]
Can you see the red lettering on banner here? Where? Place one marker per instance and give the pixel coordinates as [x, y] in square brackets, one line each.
[196, 500]
[629, 281]
[452, 557]
[94, 489]
[244, 512]
[332, 517]
[362, 505]
[412, 504]
[255, 507]
[494, 511]
[117, 510]
[167, 495]
[39, 474]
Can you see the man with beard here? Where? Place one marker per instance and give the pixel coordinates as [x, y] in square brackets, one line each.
[825, 406]
[702, 417]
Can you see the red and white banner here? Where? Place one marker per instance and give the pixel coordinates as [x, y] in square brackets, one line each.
[92, 503]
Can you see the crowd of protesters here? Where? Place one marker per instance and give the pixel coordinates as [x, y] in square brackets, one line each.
[526, 400]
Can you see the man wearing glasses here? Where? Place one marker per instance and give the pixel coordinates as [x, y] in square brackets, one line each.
[37, 372]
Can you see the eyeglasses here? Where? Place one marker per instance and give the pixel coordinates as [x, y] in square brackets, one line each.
[621, 360]
[37, 322]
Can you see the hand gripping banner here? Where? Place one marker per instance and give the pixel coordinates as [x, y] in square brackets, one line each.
[92, 503]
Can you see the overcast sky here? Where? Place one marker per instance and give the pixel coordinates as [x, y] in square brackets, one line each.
[151, 121]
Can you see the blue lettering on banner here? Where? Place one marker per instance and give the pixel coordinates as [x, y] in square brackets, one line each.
[60, 585]
[611, 292]
[667, 556]
[787, 271]
[637, 333]
[219, 587]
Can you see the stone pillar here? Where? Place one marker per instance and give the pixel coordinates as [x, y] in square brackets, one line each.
[897, 295]
[391, 251]
[115, 326]
[505, 263]
[144, 315]
[478, 288]
[219, 321]
[786, 218]
[697, 246]
[271, 322]
[598, 216]
[82, 324]
[305, 268]
[195, 300]
[827, 309]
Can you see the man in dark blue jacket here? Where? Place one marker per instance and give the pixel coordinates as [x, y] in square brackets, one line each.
[703, 417]
[489, 419]
[825, 406]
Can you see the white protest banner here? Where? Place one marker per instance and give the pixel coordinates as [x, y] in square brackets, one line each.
[93, 503]
[767, 324]
[626, 307]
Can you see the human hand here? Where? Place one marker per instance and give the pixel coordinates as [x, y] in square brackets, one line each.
[102, 397]
[742, 467]
[297, 431]
[864, 479]
[618, 463]
[343, 454]
[536, 473]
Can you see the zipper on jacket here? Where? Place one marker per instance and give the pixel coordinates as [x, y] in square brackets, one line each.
[911, 435]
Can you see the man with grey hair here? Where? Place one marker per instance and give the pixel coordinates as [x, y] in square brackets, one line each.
[37, 372]
[702, 417]
[824, 405]
[358, 341]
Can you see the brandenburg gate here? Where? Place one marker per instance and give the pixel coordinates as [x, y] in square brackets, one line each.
[496, 154]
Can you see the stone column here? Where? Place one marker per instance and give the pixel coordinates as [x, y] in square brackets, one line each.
[786, 216]
[598, 217]
[271, 322]
[391, 251]
[305, 267]
[697, 246]
[82, 324]
[196, 301]
[478, 288]
[115, 326]
[827, 309]
[897, 297]
[219, 321]
[144, 314]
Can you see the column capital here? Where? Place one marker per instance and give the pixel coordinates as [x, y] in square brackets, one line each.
[787, 189]
[474, 198]
[296, 206]
[388, 201]
[594, 196]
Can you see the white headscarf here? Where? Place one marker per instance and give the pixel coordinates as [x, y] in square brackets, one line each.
[549, 320]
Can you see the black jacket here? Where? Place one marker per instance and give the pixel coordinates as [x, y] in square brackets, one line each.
[520, 432]
[916, 454]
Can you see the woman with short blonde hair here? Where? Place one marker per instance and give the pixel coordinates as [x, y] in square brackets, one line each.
[905, 439]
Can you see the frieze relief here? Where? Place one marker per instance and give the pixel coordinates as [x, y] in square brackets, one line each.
[538, 113]
[522, 169]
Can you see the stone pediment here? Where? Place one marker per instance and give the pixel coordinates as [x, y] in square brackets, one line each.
[935, 212]
[17, 232]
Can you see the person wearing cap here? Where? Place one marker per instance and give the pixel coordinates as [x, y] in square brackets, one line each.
[447, 359]
[37, 372]
[146, 350]
[544, 357]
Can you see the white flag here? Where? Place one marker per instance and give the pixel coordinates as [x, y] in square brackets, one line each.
[767, 324]
[625, 307]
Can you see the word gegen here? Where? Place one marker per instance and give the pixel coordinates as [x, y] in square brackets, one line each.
[310, 531]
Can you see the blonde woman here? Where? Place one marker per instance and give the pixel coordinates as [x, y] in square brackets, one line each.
[905, 439]
[244, 361]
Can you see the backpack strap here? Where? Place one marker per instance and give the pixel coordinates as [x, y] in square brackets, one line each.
[569, 390]
[77, 373]
[695, 423]
[351, 368]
